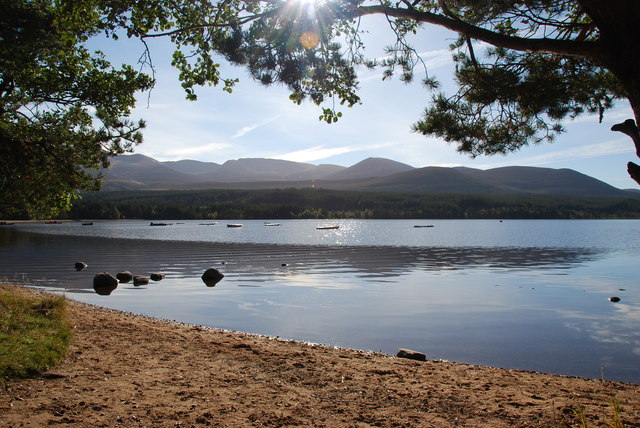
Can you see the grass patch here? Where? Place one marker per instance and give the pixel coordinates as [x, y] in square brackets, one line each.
[34, 332]
[576, 417]
[616, 416]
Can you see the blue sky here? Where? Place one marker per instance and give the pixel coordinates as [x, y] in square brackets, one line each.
[261, 122]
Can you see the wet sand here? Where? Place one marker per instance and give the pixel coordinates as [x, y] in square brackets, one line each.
[128, 370]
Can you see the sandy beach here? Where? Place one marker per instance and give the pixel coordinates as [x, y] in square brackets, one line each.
[128, 370]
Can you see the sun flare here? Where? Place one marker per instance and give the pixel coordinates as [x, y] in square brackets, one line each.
[309, 39]
[307, 13]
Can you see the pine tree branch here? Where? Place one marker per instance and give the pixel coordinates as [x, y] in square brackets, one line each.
[587, 49]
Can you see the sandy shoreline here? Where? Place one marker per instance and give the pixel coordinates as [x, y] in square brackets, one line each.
[129, 370]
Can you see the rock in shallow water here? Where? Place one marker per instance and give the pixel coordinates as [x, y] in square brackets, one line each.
[124, 276]
[104, 283]
[211, 277]
[140, 280]
[157, 276]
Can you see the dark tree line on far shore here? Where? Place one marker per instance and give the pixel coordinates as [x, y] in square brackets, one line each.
[319, 203]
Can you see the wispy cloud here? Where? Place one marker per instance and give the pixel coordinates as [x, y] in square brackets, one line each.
[436, 58]
[442, 57]
[246, 129]
[197, 150]
[322, 152]
[451, 165]
[617, 115]
[611, 147]
[315, 153]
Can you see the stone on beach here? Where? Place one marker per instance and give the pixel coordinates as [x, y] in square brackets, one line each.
[411, 354]
[211, 277]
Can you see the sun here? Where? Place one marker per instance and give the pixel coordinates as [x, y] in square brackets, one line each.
[308, 5]
[306, 11]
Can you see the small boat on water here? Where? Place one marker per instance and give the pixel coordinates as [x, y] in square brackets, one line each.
[52, 222]
[160, 224]
[424, 225]
[273, 224]
[4, 223]
[327, 227]
[234, 225]
[87, 223]
[208, 224]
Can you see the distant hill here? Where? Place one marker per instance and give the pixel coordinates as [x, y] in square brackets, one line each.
[139, 172]
[521, 179]
[636, 191]
[430, 179]
[252, 169]
[370, 167]
[193, 167]
[274, 170]
[507, 180]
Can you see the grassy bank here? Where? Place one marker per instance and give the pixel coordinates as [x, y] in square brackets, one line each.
[34, 332]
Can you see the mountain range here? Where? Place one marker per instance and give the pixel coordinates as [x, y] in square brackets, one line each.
[139, 172]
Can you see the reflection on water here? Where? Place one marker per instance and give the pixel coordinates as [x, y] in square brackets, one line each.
[540, 308]
[43, 257]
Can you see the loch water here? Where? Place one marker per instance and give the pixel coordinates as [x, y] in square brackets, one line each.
[522, 294]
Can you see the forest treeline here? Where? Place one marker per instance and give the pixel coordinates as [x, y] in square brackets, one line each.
[321, 203]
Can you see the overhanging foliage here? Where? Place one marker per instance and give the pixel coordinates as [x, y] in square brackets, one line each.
[63, 108]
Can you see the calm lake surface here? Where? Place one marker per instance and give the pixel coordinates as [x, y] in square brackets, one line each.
[530, 295]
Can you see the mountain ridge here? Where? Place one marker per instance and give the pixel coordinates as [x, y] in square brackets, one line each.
[140, 172]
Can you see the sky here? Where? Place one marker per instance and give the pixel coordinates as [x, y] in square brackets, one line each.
[261, 122]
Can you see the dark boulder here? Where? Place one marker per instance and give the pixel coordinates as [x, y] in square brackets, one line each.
[104, 283]
[156, 276]
[80, 265]
[411, 355]
[140, 280]
[124, 276]
[211, 277]
[104, 279]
